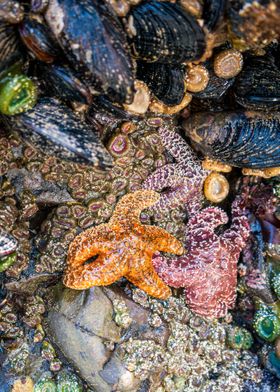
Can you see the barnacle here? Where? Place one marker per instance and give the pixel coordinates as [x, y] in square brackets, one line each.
[197, 78]
[216, 187]
[228, 63]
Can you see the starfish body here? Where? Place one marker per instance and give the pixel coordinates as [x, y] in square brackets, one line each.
[181, 182]
[208, 270]
[121, 247]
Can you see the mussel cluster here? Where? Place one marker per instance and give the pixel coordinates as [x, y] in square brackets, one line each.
[131, 59]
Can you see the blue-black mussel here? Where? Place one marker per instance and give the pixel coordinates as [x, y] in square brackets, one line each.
[166, 81]
[258, 85]
[10, 46]
[164, 32]
[63, 82]
[242, 139]
[213, 12]
[54, 128]
[94, 42]
[38, 39]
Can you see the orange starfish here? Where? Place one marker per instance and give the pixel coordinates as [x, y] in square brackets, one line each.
[121, 247]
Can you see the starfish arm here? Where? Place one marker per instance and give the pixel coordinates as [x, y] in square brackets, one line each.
[164, 177]
[161, 240]
[176, 273]
[148, 280]
[209, 218]
[98, 273]
[178, 147]
[173, 198]
[128, 209]
[235, 237]
[88, 244]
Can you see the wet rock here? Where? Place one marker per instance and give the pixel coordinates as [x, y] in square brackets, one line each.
[140, 327]
[82, 325]
[44, 192]
[30, 284]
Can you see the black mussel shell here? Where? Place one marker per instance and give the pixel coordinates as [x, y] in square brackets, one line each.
[57, 130]
[164, 32]
[258, 84]
[11, 11]
[103, 106]
[106, 116]
[10, 48]
[242, 139]
[62, 82]
[216, 87]
[166, 81]
[234, 17]
[39, 6]
[39, 40]
[95, 43]
[213, 11]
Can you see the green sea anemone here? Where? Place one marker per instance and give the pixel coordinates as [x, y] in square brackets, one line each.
[7, 261]
[239, 338]
[267, 324]
[45, 384]
[17, 94]
[68, 382]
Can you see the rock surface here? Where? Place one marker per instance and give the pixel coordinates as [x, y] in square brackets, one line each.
[87, 327]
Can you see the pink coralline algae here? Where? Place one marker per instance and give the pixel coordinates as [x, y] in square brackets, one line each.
[208, 270]
[180, 182]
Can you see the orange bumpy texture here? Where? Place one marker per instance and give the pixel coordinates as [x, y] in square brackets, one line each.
[121, 247]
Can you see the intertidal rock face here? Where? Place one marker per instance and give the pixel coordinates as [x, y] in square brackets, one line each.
[126, 342]
[87, 325]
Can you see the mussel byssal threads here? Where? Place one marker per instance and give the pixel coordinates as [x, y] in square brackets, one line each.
[157, 106]
[17, 94]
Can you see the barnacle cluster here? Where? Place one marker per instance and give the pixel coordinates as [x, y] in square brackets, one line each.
[194, 351]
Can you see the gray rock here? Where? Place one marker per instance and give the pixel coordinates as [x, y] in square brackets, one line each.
[81, 325]
[45, 192]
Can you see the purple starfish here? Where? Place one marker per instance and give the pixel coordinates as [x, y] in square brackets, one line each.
[181, 182]
[208, 269]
